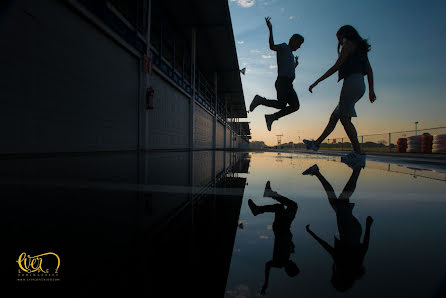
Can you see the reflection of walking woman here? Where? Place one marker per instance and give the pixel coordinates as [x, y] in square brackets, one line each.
[352, 65]
[348, 252]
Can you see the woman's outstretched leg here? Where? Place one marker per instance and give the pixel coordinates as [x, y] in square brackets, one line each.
[331, 196]
[334, 118]
[328, 129]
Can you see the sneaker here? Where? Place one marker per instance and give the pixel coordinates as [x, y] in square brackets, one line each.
[361, 158]
[268, 192]
[349, 156]
[311, 170]
[254, 208]
[354, 160]
[255, 102]
[311, 145]
[269, 121]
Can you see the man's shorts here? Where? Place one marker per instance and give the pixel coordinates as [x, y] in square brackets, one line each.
[285, 92]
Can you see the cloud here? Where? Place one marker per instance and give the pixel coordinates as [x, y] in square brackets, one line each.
[240, 42]
[254, 51]
[272, 66]
[245, 3]
[267, 56]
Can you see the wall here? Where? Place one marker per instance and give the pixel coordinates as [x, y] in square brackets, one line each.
[65, 86]
[203, 128]
[220, 142]
[168, 123]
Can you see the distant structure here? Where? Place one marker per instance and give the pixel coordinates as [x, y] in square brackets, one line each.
[93, 76]
[279, 139]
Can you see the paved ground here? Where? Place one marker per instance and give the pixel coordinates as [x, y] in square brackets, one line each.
[417, 160]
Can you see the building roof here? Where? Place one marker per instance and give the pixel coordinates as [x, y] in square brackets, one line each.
[216, 50]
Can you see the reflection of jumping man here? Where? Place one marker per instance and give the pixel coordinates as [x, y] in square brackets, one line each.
[286, 64]
[283, 244]
[348, 252]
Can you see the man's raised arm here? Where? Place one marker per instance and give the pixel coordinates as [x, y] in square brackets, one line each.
[272, 46]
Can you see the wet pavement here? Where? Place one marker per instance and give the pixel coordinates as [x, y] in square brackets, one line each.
[220, 224]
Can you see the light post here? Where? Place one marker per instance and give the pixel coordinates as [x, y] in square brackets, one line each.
[416, 128]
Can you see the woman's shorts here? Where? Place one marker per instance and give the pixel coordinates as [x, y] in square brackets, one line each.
[352, 91]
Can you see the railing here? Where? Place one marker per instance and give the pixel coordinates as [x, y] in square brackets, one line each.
[205, 94]
[385, 142]
[171, 54]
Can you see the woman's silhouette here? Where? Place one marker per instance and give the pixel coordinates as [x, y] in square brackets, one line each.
[283, 244]
[352, 65]
[348, 252]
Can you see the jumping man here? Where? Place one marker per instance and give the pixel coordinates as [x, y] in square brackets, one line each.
[286, 64]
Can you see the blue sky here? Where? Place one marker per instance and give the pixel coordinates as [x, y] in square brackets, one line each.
[408, 57]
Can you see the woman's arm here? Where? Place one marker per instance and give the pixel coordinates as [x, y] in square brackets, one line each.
[372, 95]
[347, 49]
[324, 244]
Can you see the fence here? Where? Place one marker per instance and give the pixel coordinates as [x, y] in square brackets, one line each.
[386, 142]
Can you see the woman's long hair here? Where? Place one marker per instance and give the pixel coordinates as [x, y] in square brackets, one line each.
[350, 33]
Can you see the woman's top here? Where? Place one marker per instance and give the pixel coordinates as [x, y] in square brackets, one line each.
[357, 62]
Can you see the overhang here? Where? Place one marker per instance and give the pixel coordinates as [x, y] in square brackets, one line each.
[216, 51]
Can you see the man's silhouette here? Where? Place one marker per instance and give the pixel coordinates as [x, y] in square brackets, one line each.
[286, 64]
[285, 212]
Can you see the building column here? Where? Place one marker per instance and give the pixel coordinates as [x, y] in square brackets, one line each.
[145, 83]
[231, 141]
[192, 106]
[225, 132]
[214, 141]
[145, 242]
[193, 78]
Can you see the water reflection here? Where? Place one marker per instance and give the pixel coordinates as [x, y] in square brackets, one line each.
[348, 252]
[159, 224]
[284, 214]
[176, 223]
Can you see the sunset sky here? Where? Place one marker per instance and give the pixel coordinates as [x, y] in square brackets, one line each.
[408, 57]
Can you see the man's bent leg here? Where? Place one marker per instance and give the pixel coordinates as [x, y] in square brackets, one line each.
[286, 111]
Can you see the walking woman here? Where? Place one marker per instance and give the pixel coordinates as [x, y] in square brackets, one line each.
[352, 65]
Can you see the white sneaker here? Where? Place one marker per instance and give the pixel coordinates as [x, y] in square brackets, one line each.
[310, 145]
[354, 160]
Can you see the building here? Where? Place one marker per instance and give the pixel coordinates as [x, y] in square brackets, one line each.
[75, 79]
[79, 75]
